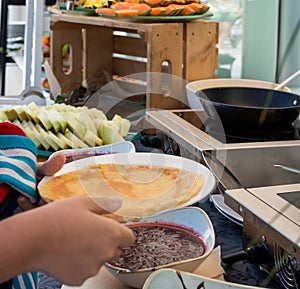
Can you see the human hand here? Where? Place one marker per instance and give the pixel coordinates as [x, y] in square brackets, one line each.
[47, 168]
[67, 239]
[80, 241]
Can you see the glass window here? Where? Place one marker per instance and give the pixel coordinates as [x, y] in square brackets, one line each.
[229, 14]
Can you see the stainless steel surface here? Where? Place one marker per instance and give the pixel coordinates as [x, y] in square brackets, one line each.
[251, 163]
[185, 133]
[252, 186]
[271, 215]
[254, 167]
[226, 178]
[27, 96]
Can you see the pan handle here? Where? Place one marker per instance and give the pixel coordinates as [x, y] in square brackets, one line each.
[285, 82]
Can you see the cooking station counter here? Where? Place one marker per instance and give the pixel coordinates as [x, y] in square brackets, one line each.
[274, 211]
[260, 180]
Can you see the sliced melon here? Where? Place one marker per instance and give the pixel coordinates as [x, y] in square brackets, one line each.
[143, 9]
[121, 6]
[110, 134]
[127, 12]
[197, 7]
[177, 9]
[105, 11]
[187, 11]
[153, 3]
[158, 11]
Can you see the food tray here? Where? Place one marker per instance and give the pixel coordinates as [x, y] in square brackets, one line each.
[150, 19]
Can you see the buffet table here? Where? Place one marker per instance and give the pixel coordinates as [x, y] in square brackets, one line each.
[228, 240]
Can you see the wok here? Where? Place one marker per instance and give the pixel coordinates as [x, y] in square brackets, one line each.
[250, 106]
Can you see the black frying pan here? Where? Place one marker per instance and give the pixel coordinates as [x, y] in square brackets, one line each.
[250, 106]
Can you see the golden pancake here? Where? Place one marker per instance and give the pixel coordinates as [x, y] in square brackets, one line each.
[145, 190]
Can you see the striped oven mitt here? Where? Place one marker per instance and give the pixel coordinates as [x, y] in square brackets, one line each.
[17, 176]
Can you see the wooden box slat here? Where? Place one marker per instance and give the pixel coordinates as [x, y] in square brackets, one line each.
[130, 46]
[97, 54]
[125, 67]
[200, 51]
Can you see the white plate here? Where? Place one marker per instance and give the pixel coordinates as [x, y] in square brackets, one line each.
[168, 279]
[218, 201]
[147, 159]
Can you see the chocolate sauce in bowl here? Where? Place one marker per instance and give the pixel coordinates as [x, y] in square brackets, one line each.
[158, 244]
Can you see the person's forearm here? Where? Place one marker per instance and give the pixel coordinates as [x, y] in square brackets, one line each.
[67, 239]
[17, 245]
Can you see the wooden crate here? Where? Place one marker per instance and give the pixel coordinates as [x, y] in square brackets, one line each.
[101, 48]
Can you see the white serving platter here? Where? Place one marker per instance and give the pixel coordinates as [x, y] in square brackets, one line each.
[146, 159]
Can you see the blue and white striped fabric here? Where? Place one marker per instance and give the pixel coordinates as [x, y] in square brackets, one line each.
[18, 171]
[18, 164]
[25, 281]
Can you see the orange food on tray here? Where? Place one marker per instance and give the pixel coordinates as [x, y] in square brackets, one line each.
[197, 7]
[143, 9]
[153, 3]
[155, 8]
[106, 11]
[205, 8]
[170, 11]
[121, 6]
[127, 12]
[158, 11]
[187, 10]
[177, 9]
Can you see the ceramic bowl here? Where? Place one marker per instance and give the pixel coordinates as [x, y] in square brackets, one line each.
[172, 279]
[191, 218]
[194, 86]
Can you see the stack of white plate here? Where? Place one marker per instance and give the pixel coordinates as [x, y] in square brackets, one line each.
[218, 201]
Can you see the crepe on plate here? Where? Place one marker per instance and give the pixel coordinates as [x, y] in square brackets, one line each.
[145, 190]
